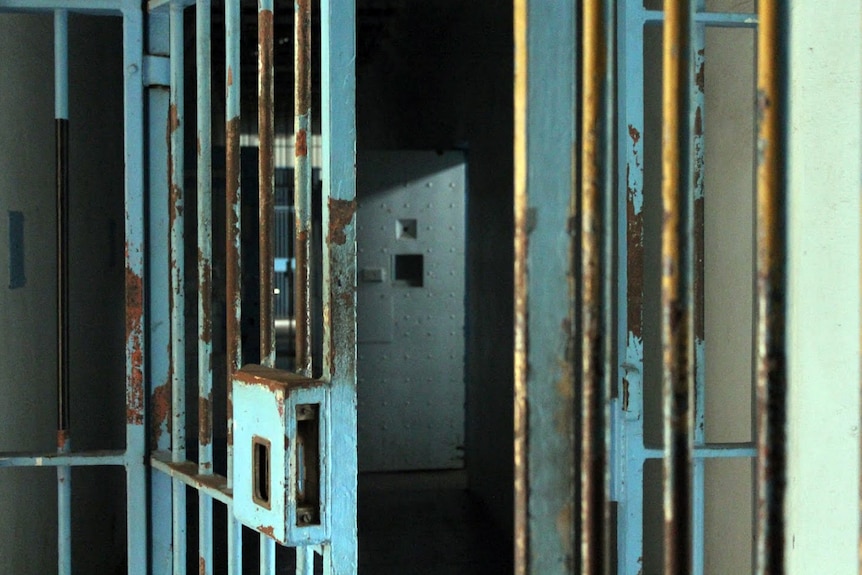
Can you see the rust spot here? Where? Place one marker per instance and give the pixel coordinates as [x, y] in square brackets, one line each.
[301, 295]
[698, 122]
[303, 57]
[634, 134]
[340, 215]
[134, 335]
[565, 529]
[229, 76]
[205, 293]
[635, 260]
[198, 140]
[699, 77]
[625, 394]
[699, 278]
[266, 530]
[205, 419]
[62, 439]
[174, 118]
[233, 287]
[202, 566]
[160, 408]
[301, 147]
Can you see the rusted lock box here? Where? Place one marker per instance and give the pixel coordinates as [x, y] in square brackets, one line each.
[280, 465]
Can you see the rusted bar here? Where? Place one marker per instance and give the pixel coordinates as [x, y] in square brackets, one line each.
[266, 171]
[233, 251]
[594, 457]
[521, 411]
[771, 370]
[61, 123]
[677, 289]
[266, 199]
[302, 186]
[203, 57]
[176, 294]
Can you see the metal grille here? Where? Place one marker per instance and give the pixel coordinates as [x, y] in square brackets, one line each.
[580, 327]
[167, 471]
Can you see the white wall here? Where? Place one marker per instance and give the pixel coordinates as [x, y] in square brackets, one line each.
[823, 319]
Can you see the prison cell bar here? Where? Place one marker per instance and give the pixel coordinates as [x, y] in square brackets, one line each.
[338, 121]
[135, 308]
[203, 59]
[61, 123]
[771, 367]
[698, 105]
[302, 186]
[594, 484]
[677, 287]
[546, 346]
[266, 178]
[233, 253]
[177, 271]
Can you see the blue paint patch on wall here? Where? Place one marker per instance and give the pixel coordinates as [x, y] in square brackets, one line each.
[17, 278]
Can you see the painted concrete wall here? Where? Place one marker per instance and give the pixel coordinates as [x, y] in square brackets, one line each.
[27, 311]
[824, 303]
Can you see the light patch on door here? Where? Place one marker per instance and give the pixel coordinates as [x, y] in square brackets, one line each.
[17, 277]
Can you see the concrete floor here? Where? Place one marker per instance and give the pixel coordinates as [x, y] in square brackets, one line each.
[426, 524]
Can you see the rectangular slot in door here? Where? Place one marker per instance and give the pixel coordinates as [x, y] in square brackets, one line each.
[260, 471]
[308, 465]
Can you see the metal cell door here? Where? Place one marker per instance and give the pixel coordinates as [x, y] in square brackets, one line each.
[283, 495]
[589, 233]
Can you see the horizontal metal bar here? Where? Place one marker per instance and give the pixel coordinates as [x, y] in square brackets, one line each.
[712, 19]
[163, 5]
[157, 71]
[187, 472]
[711, 451]
[53, 459]
[113, 7]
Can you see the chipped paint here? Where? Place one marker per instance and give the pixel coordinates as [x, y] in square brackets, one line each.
[341, 214]
[160, 412]
[301, 145]
[134, 350]
[205, 419]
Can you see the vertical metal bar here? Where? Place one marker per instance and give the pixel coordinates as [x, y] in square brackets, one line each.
[233, 251]
[158, 264]
[136, 478]
[677, 288]
[266, 135]
[177, 289]
[305, 560]
[302, 186]
[630, 293]
[203, 57]
[594, 493]
[338, 41]
[546, 222]
[266, 177]
[696, 82]
[61, 122]
[771, 383]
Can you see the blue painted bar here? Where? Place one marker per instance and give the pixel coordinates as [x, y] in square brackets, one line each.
[136, 318]
[698, 105]
[203, 58]
[93, 7]
[338, 77]
[546, 101]
[629, 429]
[177, 287]
[305, 560]
[233, 251]
[186, 473]
[711, 19]
[61, 115]
[302, 186]
[54, 459]
[158, 283]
